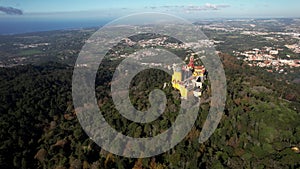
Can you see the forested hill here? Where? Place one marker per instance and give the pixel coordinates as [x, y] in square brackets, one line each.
[260, 127]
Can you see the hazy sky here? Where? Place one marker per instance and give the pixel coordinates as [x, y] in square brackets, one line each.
[115, 8]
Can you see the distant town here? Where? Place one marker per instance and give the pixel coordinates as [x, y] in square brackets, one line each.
[272, 44]
[267, 57]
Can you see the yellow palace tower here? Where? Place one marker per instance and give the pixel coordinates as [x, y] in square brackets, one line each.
[188, 79]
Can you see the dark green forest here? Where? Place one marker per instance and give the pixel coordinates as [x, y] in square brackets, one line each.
[260, 127]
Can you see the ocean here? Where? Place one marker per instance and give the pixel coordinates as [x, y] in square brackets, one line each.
[8, 27]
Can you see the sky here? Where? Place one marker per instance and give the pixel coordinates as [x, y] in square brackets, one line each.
[190, 9]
